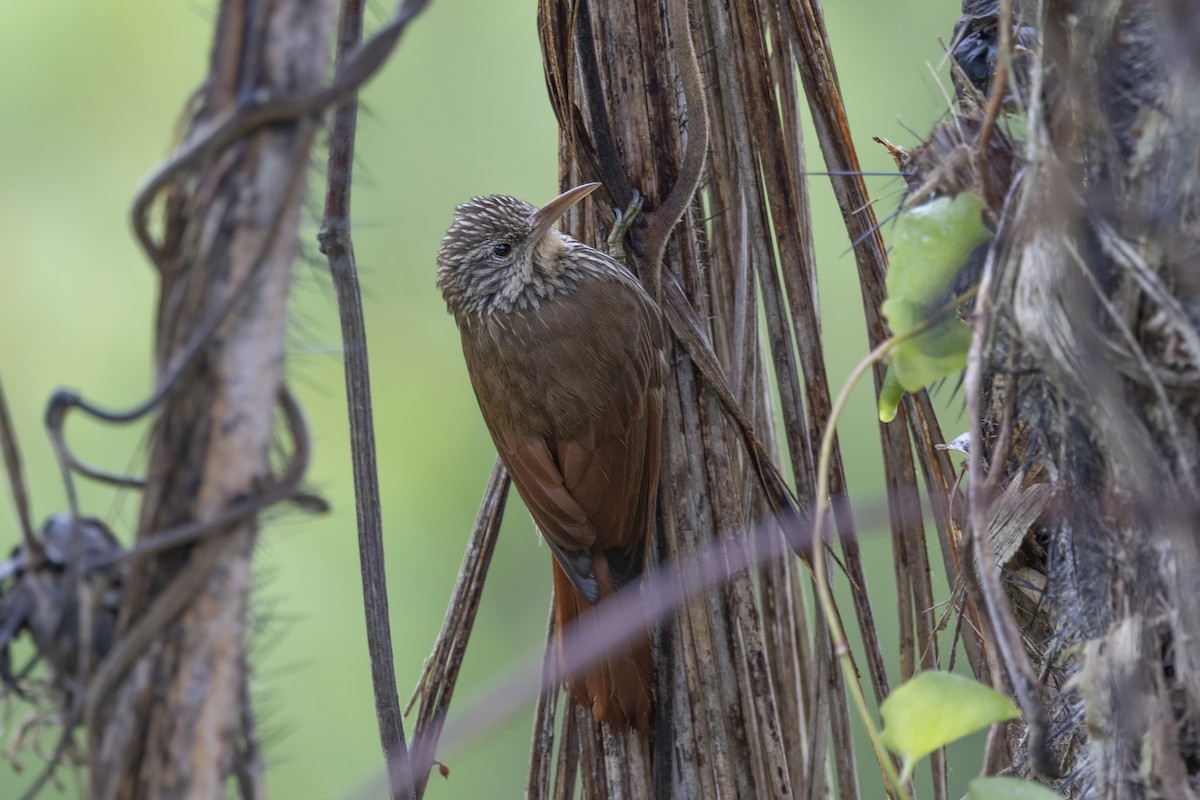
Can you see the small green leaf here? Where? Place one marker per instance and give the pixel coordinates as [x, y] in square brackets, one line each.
[890, 395]
[936, 708]
[931, 245]
[1008, 789]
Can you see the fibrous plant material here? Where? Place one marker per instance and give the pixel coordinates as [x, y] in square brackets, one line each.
[1090, 368]
[749, 691]
[224, 260]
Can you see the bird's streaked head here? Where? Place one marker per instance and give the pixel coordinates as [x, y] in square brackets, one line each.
[502, 254]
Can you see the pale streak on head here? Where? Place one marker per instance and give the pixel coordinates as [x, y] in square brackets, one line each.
[550, 250]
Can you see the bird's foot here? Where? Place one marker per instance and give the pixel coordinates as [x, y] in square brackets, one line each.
[616, 238]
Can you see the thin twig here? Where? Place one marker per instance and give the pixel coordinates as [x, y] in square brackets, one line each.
[841, 648]
[440, 677]
[60, 749]
[983, 581]
[16, 477]
[824, 594]
[337, 245]
[541, 755]
[664, 219]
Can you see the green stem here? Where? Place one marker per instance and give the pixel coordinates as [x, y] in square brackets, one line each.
[840, 646]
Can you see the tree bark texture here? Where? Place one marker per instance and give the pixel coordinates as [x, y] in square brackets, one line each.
[751, 698]
[175, 723]
[614, 81]
[1098, 310]
[749, 692]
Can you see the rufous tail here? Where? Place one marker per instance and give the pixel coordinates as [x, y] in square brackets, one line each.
[619, 688]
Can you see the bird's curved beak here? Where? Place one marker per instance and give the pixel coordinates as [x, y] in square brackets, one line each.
[544, 218]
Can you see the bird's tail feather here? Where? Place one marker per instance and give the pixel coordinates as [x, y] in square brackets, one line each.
[618, 688]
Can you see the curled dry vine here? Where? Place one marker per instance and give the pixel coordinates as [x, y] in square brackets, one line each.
[209, 145]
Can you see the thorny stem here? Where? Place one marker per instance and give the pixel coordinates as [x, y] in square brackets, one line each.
[363, 63]
[841, 647]
[169, 603]
[355, 66]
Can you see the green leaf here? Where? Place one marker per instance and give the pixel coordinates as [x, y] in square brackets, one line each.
[936, 708]
[890, 395]
[931, 245]
[1008, 789]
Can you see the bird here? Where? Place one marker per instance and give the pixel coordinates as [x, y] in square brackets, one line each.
[564, 349]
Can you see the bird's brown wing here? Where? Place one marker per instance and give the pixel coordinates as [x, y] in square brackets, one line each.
[585, 482]
[553, 507]
[611, 467]
[565, 524]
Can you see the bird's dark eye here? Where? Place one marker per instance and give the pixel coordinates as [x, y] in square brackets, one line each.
[502, 249]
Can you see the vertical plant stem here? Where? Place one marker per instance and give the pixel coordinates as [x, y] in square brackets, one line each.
[337, 245]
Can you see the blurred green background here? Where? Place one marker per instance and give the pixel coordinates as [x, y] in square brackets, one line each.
[89, 95]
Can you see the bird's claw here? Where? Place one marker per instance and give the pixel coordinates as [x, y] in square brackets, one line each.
[625, 220]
